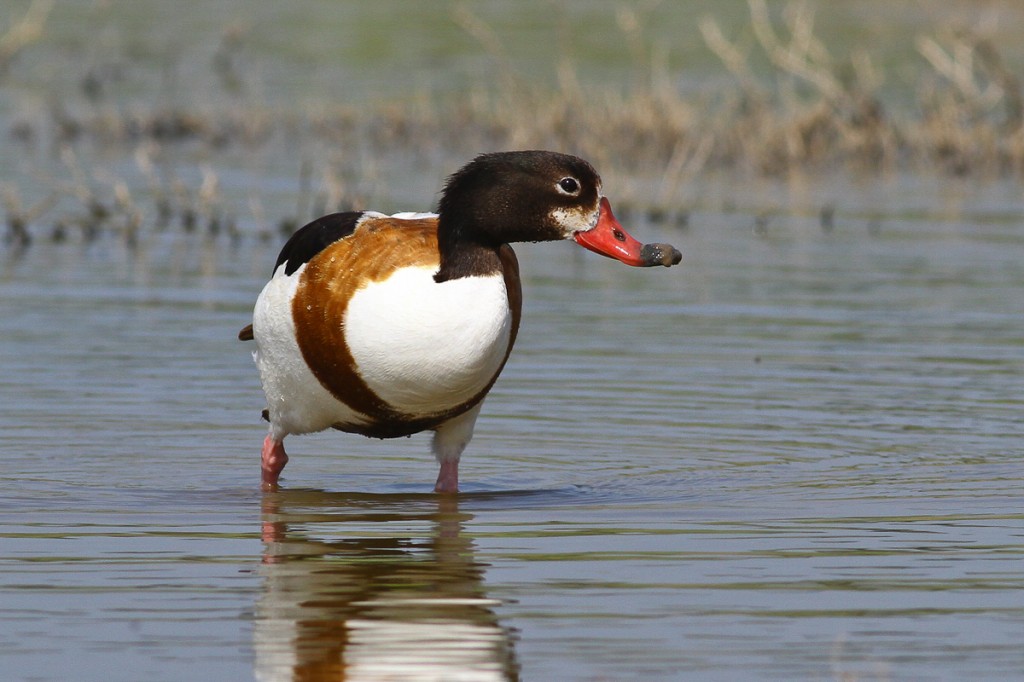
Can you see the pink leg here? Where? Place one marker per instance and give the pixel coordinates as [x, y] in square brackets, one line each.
[450, 439]
[448, 478]
[274, 459]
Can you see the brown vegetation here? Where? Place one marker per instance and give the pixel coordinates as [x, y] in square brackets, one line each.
[816, 113]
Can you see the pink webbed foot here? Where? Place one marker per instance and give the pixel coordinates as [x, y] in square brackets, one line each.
[448, 477]
[274, 459]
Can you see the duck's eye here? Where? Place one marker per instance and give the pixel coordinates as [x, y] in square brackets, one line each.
[569, 186]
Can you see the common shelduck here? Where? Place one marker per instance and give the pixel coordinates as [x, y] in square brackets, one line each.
[390, 325]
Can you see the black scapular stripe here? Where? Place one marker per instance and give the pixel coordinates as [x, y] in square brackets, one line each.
[313, 238]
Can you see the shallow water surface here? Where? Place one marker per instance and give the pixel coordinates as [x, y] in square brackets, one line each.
[797, 456]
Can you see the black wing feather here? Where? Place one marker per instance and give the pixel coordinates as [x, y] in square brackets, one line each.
[313, 238]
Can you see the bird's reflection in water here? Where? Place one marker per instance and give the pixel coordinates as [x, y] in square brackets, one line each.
[374, 587]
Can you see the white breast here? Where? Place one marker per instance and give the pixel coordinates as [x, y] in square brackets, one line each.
[425, 347]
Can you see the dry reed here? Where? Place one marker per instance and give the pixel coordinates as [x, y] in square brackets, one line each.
[813, 115]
